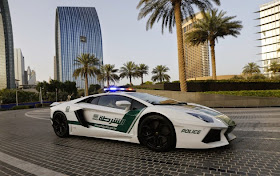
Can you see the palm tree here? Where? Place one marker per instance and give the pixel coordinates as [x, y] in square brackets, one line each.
[129, 70]
[251, 68]
[108, 73]
[214, 25]
[274, 67]
[142, 69]
[160, 73]
[172, 12]
[86, 67]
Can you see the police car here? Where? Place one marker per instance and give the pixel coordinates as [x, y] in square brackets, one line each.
[159, 123]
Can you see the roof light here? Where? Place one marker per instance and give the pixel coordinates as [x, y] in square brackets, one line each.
[115, 89]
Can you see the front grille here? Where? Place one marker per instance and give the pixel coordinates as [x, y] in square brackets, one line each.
[212, 136]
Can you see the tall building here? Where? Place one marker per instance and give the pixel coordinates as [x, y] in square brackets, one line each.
[270, 34]
[77, 31]
[31, 76]
[197, 57]
[19, 66]
[7, 74]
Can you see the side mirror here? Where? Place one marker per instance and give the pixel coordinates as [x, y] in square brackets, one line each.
[123, 104]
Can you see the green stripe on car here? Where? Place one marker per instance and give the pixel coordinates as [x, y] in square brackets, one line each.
[129, 119]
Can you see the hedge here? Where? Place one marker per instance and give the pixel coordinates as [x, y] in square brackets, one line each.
[219, 85]
[256, 93]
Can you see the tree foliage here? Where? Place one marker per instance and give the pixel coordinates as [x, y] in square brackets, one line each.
[171, 13]
[214, 25]
[129, 70]
[159, 73]
[274, 68]
[251, 68]
[94, 88]
[142, 69]
[108, 73]
[87, 66]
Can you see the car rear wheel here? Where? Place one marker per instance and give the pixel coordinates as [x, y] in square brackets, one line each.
[60, 125]
[157, 133]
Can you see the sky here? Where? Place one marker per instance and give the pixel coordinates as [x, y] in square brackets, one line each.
[125, 37]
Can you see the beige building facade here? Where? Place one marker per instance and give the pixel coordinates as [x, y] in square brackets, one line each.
[197, 57]
[270, 34]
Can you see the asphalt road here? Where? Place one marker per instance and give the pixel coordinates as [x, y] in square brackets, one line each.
[30, 147]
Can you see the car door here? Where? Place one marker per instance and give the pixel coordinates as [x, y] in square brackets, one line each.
[105, 116]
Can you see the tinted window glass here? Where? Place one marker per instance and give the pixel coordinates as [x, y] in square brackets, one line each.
[94, 101]
[110, 101]
[137, 105]
[153, 99]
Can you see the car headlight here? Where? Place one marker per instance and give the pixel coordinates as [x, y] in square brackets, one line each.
[203, 117]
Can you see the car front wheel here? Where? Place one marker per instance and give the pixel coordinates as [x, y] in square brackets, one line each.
[60, 125]
[157, 133]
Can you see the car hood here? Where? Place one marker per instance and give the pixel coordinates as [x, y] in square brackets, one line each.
[199, 109]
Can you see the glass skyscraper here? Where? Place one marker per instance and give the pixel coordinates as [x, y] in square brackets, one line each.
[77, 31]
[7, 73]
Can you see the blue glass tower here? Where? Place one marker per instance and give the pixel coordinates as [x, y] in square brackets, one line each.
[7, 70]
[77, 31]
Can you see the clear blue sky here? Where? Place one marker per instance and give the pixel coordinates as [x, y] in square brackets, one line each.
[125, 38]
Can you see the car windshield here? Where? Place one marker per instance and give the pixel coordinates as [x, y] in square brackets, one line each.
[155, 100]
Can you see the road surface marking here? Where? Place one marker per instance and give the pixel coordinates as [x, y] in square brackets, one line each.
[28, 167]
[43, 114]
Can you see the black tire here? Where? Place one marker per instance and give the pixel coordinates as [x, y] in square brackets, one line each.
[60, 125]
[157, 133]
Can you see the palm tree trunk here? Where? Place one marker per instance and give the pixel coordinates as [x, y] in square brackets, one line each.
[108, 81]
[86, 84]
[130, 81]
[213, 59]
[142, 79]
[181, 58]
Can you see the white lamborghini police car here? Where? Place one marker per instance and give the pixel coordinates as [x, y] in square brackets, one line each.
[157, 122]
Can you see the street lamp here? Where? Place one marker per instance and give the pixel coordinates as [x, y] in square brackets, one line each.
[16, 80]
[56, 94]
[41, 97]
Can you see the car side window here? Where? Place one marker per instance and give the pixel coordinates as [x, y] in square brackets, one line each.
[137, 105]
[110, 101]
[90, 100]
[95, 100]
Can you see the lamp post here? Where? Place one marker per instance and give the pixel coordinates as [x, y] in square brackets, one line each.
[56, 94]
[41, 97]
[16, 80]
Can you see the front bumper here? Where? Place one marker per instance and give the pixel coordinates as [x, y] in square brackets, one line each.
[208, 137]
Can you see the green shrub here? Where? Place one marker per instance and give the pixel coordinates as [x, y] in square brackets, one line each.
[93, 89]
[256, 93]
[148, 83]
[9, 96]
[237, 78]
[20, 107]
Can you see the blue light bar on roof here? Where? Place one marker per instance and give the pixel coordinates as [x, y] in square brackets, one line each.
[115, 89]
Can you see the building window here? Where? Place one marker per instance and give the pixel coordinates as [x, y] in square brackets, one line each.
[83, 39]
